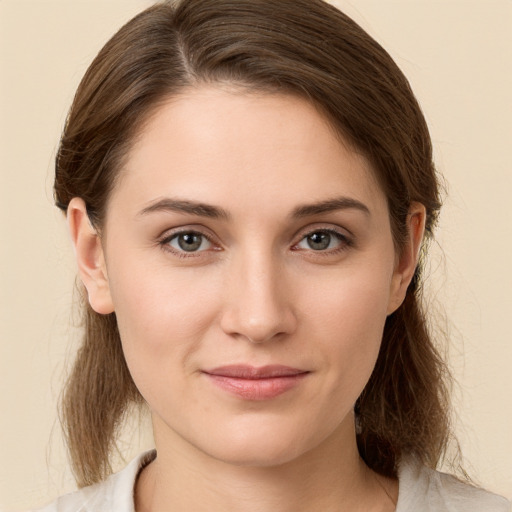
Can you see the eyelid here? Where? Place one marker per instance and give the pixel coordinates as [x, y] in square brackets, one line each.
[164, 239]
[345, 237]
[187, 228]
[327, 228]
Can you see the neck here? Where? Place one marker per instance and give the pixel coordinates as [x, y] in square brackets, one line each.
[332, 478]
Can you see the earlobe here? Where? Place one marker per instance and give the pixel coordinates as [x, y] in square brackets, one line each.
[408, 260]
[90, 257]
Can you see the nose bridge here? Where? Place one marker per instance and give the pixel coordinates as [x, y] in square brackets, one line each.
[258, 306]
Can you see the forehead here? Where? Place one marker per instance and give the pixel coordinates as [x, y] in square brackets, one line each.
[228, 145]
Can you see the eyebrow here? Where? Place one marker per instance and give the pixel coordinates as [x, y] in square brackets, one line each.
[214, 212]
[185, 206]
[331, 205]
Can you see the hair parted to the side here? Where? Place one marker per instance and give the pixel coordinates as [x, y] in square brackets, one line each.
[301, 47]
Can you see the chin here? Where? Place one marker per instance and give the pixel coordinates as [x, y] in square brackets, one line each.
[263, 446]
[259, 456]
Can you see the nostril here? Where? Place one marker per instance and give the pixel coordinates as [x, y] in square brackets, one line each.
[260, 328]
[257, 305]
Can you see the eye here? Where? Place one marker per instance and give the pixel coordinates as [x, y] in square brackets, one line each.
[188, 241]
[323, 240]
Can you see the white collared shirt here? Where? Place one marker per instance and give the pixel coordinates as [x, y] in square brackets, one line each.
[420, 490]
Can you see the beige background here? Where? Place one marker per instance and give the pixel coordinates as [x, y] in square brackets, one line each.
[458, 57]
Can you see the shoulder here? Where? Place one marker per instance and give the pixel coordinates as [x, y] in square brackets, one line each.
[425, 490]
[115, 493]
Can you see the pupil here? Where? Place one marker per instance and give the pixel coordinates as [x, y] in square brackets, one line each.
[189, 242]
[319, 241]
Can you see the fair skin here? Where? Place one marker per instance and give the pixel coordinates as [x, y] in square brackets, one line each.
[288, 260]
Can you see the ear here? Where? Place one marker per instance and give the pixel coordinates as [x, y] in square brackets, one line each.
[89, 257]
[408, 259]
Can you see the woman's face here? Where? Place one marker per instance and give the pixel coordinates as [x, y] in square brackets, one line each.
[251, 267]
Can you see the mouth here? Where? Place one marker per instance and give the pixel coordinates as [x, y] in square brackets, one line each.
[256, 383]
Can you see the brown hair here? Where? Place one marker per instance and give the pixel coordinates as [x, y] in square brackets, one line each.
[301, 47]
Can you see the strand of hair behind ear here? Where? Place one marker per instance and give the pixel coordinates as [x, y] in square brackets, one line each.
[97, 394]
[404, 409]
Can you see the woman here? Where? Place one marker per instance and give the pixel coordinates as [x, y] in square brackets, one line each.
[248, 187]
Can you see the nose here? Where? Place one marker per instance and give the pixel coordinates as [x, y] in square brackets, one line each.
[258, 303]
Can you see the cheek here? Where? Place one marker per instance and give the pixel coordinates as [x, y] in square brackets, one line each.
[162, 316]
[347, 320]
[351, 300]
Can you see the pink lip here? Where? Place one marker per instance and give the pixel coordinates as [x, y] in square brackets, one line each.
[253, 383]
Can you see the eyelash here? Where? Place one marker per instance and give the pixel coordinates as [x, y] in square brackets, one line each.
[345, 242]
[165, 241]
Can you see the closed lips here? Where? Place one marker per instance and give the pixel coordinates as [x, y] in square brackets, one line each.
[254, 373]
[256, 384]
